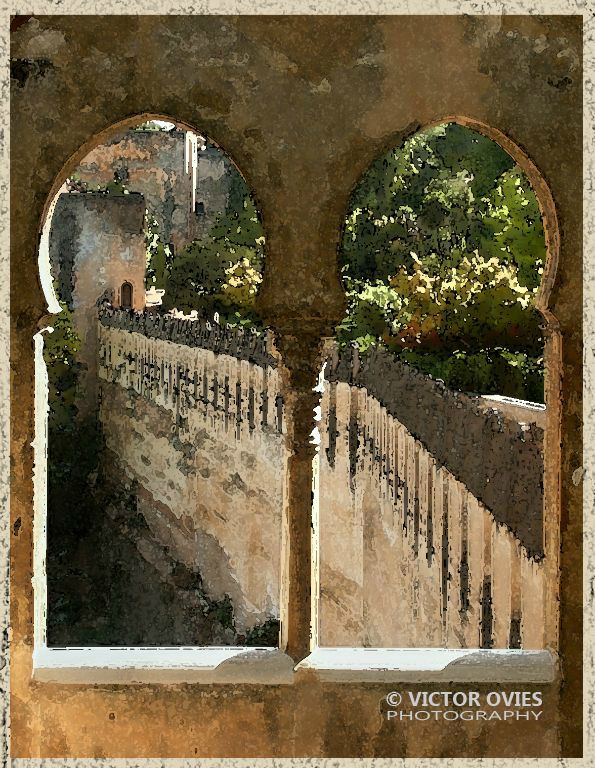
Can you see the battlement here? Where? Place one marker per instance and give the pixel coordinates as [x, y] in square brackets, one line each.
[198, 332]
[499, 459]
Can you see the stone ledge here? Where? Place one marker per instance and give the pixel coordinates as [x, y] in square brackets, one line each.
[206, 334]
[420, 665]
[208, 665]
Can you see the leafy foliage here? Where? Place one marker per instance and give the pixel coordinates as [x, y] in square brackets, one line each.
[486, 371]
[73, 442]
[159, 257]
[443, 250]
[220, 273]
[60, 349]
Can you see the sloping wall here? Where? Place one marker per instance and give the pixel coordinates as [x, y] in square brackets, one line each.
[409, 557]
[199, 438]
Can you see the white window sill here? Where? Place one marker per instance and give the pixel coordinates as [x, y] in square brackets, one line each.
[221, 664]
[431, 665]
[270, 666]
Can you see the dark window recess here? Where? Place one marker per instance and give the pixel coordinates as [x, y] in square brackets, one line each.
[264, 408]
[430, 523]
[226, 399]
[215, 391]
[444, 575]
[239, 419]
[126, 296]
[279, 407]
[464, 579]
[251, 399]
[353, 439]
[416, 508]
[199, 208]
[515, 630]
[487, 617]
[332, 436]
[416, 526]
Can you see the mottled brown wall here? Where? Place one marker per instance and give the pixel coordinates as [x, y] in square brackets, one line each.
[302, 104]
[493, 456]
[405, 545]
[192, 435]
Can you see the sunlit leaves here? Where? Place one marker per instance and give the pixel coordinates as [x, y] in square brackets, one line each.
[443, 248]
[219, 273]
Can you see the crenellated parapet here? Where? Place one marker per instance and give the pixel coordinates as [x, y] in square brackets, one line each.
[196, 332]
[497, 458]
[410, 553]
[199, 332]
[195, 424]
[417, 484]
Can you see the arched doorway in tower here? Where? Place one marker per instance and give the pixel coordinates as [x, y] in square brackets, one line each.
[165, 446]
[126, 296]
[429, 480]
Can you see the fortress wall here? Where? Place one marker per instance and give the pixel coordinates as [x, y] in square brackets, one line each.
[96, 243]
[409, 557]
[186, 427]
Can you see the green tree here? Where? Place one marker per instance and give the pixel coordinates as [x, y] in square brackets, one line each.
[158, 254]
[443, 250]
[196, 277]
[59, 351]
[222, 272]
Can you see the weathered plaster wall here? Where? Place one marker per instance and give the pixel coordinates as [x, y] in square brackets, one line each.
[171, 171]
[302, 104]
[408, 555]
[186, 426]
[497, 458]
[403, 541]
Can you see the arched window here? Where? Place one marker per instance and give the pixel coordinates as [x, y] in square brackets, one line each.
[430, 499]
[126, 296]
[165, 442]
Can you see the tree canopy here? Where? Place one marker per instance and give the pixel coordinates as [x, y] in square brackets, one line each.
[442, 253]
[220, 273]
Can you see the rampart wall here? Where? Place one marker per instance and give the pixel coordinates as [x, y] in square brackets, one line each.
[410, 552]
[200, 435]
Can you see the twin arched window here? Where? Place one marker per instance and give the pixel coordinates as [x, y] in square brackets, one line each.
[192, 456]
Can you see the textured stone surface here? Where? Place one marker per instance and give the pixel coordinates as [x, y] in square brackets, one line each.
[171, 172]
[303, 104]
[208, 459]
[405, 546]
[96, 244]
[496, 458]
